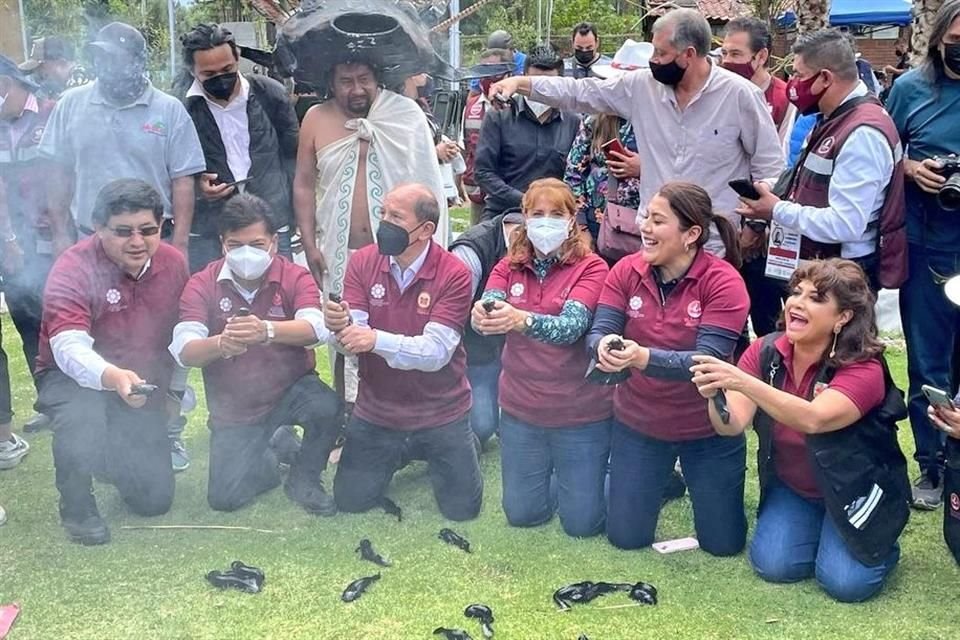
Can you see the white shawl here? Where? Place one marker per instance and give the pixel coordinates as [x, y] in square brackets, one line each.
[401, 151]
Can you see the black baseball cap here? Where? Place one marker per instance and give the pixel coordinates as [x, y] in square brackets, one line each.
[48, 48]
[9, 68]
[118, 38]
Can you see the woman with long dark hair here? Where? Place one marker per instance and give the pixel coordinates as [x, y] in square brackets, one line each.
[659, 308]
[833, 481]
[554, 427]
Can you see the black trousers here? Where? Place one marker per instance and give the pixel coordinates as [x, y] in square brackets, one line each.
[242, 465]
[372, 454]
[95, 433]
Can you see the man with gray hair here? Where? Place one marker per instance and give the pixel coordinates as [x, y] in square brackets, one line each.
[694, 120]
[849, 179]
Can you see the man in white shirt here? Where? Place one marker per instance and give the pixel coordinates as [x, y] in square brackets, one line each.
[248, 130]
[851, 171]
[694, 120]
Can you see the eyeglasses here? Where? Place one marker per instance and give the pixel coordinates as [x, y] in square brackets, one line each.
[128, 232]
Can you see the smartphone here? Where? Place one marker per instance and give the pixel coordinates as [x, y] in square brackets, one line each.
[613, 145]
[745, 189]
[143, 389]
[239, 182]
[937, 397]
[680, 544]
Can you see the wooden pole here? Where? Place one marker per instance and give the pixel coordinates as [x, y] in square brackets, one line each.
[11, 30]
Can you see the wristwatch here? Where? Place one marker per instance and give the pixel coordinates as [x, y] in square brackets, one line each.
[271, 332]
[528, 322]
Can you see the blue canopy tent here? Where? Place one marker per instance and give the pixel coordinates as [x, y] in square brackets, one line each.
[862, 12]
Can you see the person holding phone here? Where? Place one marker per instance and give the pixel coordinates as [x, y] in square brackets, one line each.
[554, 426]
[248, 130]
[109, 309]
[603, 158]
[834, 491]
[667, 303]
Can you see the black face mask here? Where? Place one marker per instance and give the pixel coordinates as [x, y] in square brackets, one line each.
[669, 74]
[951, 57]
[392, 239]
[584, 56]
[221, 87]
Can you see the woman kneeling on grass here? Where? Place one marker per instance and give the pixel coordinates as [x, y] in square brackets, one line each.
[833, 482]
[543, 295]
[667, 303]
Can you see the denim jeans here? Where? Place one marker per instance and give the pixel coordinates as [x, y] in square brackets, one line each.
[714, 468]
[796, 539]
[485, 412]
[930, 328]
[575, 458]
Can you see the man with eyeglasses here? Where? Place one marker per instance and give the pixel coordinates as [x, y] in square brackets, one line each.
[103, 371]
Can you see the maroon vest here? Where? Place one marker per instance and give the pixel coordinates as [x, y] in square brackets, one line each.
[811, 184]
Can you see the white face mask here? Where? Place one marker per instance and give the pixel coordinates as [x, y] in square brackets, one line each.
[248, 263]
[538, 108]
[547, 234]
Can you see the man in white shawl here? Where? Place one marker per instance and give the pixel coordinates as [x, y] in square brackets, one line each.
[354, 148]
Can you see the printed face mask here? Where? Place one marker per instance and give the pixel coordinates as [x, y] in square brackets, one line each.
[801, 95]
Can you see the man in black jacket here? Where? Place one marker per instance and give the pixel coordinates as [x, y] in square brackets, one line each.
[524, 143]
[248, 130]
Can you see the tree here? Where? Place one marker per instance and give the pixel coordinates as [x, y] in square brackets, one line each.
[924, 12]
[812, 15]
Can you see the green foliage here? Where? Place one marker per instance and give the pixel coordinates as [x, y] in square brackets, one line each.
[519, 17]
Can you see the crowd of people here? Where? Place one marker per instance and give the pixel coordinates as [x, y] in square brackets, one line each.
[632, 219]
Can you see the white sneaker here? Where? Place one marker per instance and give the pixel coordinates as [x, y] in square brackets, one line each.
[12, 452]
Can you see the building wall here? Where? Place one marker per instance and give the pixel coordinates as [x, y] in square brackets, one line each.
[879, 51]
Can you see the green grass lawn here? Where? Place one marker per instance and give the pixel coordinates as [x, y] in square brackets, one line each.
[150, 584]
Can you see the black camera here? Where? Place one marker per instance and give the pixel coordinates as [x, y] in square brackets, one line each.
[948, 197]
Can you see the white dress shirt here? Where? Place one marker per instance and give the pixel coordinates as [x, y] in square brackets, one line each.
[858, 188]
[430, 351]
[234, 126]
[186, 332]
[725, 133]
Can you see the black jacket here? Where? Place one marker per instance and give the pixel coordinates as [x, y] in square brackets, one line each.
[515, 149]
[860, 470]
[486, 240]
[273, 151]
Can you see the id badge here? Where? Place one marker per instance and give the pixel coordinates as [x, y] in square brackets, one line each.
[783, 252]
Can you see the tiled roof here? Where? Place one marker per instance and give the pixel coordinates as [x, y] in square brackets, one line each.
[711, 9]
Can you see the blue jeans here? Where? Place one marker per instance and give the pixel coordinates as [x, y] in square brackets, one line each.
[930, 329]
[714, 469]
[485, 412]
[796, 539]
[533, 457]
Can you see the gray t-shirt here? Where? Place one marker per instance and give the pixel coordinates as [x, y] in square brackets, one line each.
[152, 139]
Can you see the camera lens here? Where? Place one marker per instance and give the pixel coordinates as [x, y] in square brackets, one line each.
[949, 195]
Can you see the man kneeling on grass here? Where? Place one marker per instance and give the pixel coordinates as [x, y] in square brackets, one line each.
[406, 300]
[250, 321]
[109, 308]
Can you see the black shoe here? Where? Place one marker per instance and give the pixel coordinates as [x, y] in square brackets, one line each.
[308, 492]
[37, 422]
[232, 580]
[676, 487]
[86, 527]
[285, 444]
